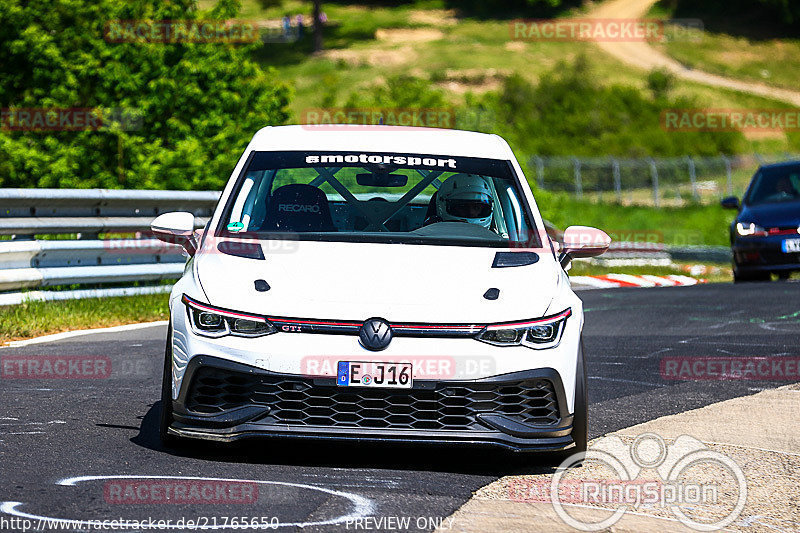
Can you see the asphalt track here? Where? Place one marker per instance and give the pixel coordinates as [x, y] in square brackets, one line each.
[52, 430]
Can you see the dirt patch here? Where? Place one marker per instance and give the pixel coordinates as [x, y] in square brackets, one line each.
[515, 46]
[434, 17]
[420, 35]
[373, 57]
[472, 79]
[640, 54]
[752, 135]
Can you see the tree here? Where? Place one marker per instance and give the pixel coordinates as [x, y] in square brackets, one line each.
[198, 103]
[317, 25]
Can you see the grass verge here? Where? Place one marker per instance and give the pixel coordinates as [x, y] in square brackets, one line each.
[713, 273]
[678, 226]
[33, 319]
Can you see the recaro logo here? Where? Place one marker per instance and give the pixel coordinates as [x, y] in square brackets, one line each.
[298, 208]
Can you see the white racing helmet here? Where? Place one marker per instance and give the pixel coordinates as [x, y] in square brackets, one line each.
[465, 198]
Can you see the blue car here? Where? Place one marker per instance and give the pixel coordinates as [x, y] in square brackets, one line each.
[765, 236]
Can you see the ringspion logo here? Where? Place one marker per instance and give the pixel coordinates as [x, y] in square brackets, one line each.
[702, 488]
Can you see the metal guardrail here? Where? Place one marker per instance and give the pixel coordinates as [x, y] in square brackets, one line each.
[82, 258]
[78, 255]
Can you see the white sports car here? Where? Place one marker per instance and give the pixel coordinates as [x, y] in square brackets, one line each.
[376, 283]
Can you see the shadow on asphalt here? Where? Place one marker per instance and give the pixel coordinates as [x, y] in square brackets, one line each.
[390, 456]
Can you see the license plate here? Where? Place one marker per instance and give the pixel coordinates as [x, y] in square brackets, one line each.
[791, 245]
[373, 374]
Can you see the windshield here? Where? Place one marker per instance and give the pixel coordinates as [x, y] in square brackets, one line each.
[379, 197]
[773, 185]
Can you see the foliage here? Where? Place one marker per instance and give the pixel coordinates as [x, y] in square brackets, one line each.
[568, 113]
[199, 102]
[692, 224]
[660, 81]
[757, 19]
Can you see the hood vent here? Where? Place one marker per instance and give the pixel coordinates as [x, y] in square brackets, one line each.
[514, 259]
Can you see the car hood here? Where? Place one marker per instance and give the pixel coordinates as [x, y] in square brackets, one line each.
[772, 215]
[398, 282]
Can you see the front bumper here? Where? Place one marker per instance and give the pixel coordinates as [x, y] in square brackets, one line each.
[223, 400]
[763, 254]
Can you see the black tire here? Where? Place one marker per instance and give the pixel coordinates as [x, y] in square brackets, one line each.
[580, 420]
[783, 276]
[165, 420]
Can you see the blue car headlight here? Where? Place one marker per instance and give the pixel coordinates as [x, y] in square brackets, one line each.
[749, 229]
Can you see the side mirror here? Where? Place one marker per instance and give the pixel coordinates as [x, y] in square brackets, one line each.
[583, 241]
[731, 202]
[176, 228]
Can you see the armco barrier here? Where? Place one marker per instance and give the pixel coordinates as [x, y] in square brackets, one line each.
[82, 257]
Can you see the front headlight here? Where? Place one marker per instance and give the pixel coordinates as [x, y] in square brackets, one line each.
[214, 322]
[538, 334]
[748, 229]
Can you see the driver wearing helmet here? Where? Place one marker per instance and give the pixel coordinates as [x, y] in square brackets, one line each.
[464, 198]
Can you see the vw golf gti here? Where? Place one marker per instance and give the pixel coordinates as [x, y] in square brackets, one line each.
[376, 283]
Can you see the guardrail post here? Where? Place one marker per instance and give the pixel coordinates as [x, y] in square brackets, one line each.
[539, 171]
[692, 177]
[654, 176]
[578, 183]
[728, 175]
[617, 179]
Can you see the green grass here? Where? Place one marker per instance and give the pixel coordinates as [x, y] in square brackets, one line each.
[716, 273]
[773, 61]
[470, 56]
[33, 319]
[689, 225]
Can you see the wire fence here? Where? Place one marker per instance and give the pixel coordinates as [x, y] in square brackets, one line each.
[658, 182]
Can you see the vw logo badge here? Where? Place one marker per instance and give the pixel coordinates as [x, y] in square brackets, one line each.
[375, 334]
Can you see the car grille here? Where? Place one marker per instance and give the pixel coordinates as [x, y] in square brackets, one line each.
[779, 258]
[298, 401]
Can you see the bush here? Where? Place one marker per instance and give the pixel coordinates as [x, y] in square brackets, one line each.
[568, 113]
[660, 81]
[199, 103]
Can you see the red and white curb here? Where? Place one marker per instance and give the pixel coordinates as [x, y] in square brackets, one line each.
[610, 281]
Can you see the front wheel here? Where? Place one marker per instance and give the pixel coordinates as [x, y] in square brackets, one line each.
[580, 420]
[166, 396]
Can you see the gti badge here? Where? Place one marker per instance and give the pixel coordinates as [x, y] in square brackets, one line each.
[375, 334]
